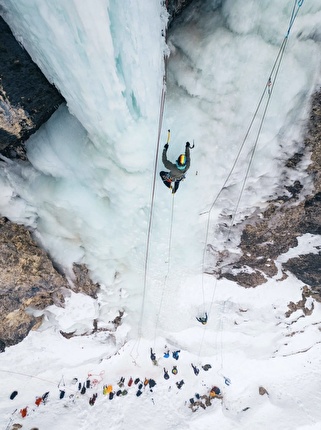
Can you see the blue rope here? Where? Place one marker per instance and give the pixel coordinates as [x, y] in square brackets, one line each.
[297, 3]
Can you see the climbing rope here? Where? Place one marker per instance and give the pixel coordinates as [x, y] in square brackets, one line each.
[268, 89]
[11, 372]
[160, 124]
[164, 287]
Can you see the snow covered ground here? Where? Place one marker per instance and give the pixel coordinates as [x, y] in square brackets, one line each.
[87, 194]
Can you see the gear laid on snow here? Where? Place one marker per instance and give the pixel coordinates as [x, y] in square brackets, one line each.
[45, 397]
[180, 384]
[24, 412]
[13, 395]
[196, 370]
[38, 401]
[151, 384]
[93, 399]
[175, 354]
[206, 367]
[166, 375]
[166, 354]
[153, 357]
[121, 382]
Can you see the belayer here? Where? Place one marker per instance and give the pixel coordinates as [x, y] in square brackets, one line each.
[176, 171]
[203, 319]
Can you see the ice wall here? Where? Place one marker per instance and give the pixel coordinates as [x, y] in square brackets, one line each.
[93, 160]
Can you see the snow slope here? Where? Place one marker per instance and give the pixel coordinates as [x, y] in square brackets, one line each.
[86, 193]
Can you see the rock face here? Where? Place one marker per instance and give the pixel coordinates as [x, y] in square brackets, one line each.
[27, 100]
[264, 238]
[176, 7]
[29, 281]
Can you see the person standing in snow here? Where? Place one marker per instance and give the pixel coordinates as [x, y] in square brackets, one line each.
[203, 319]
[176, 171]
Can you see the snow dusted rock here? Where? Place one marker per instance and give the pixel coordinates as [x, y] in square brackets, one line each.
[29, 281]
[304, 304]
[82, 283]
[27, 99]
[262, 391]
[274, 232]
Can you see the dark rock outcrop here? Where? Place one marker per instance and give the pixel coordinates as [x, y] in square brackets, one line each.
[176, 7]
[27, 99]
[307, 268]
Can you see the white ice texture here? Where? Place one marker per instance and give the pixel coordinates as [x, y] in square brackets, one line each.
[86, 192]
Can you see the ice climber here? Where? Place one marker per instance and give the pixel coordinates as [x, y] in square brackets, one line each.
[176, 171]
